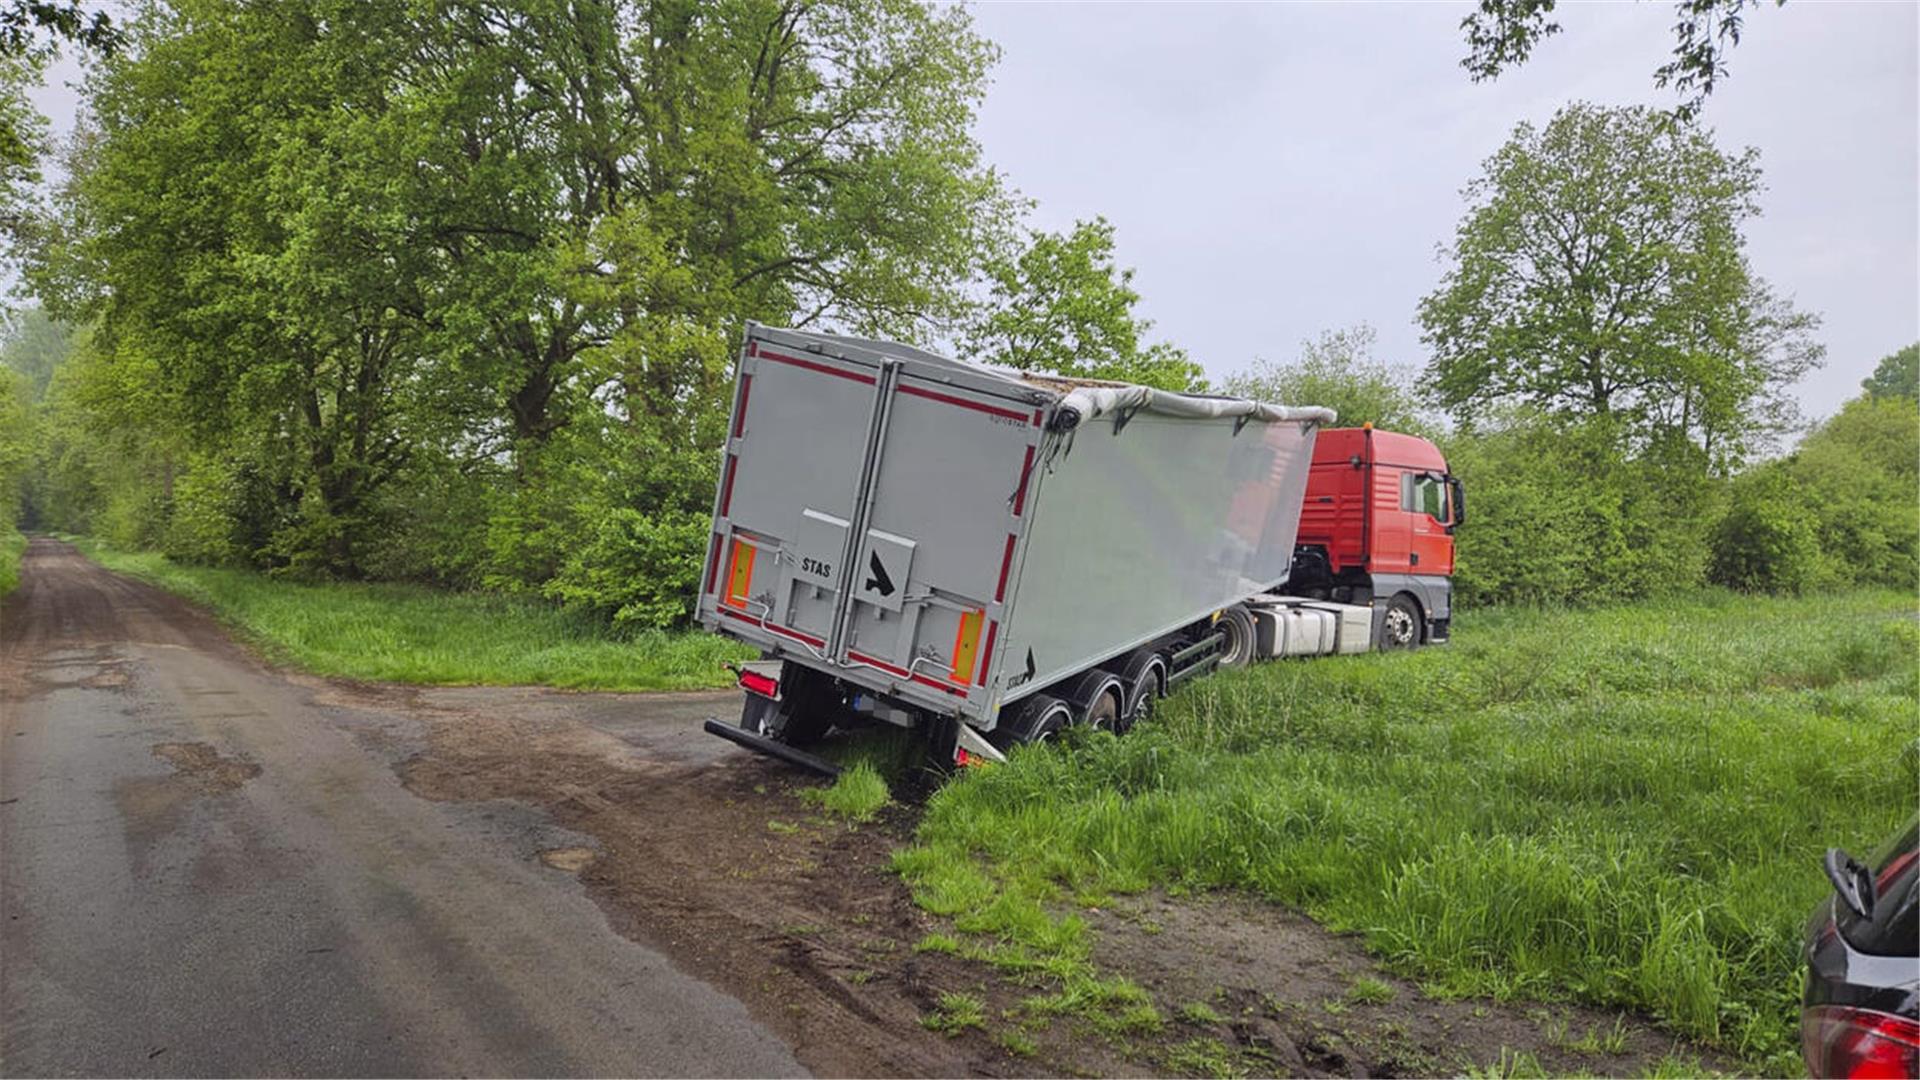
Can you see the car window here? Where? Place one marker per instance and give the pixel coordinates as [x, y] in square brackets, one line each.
[1894, 929]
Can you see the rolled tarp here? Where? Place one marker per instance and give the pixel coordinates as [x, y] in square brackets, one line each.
[1091, 402]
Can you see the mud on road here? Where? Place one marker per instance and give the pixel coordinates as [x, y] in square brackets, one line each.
[691, 850]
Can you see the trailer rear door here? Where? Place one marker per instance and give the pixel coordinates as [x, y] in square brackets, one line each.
[950, 499]
[868, 518]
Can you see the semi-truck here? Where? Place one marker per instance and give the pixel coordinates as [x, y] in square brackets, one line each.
[989, 557]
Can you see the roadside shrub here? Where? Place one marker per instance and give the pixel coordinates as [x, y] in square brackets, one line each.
[1857, 476]
[639, 570]
[205, 514]
[1766, 542]
[1564, 512]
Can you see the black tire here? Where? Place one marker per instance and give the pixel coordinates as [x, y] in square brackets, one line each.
[1035, 720]
[1237, 650]
[1145, 677]
[1097, 699]
[1400, 626]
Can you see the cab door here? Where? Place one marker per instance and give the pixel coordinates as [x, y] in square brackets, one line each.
[1390, 538]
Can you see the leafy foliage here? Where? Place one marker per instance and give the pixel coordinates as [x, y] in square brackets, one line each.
[1560, 513]
[29, 27]
[1765, 541]
[1897, 375]
[1338, 370]
[1061, 305]
[449, 291]
[1599, 272]
[1501, 34]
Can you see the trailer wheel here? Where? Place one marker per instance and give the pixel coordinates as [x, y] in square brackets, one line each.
[1236, 651]
[1035, 720]
[1400, 628]
[1145, 676]
[1098, 699]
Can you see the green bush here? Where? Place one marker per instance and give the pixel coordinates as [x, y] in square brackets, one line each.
[1561, 512]
[1766, 542]
[640, 570]
[1857, 476]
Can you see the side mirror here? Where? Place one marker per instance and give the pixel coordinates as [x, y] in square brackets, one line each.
[1852, 882]
[1459, 501]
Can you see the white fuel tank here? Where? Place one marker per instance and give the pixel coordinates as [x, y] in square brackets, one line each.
[1284, 628]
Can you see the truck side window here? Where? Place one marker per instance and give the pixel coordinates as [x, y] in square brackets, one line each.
[1422, 493]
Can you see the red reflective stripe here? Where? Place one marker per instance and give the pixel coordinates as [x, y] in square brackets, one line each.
[903, 673]
[1037, 417]
[993, 630]
[740, 411]
[726, 486]
[949, 399]
[773, 627]
[1020, 494]
[713, 562]
[753, 348]
[814, 365]
[1006, 564]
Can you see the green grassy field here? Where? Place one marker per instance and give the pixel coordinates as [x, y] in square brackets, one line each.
[408, 634]
[1625, 806]
[11, 545]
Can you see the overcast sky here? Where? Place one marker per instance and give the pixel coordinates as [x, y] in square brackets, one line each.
[1275, 170]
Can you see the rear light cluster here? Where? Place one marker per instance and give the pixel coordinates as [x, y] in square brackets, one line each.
[1839, 1041]
[764, 685]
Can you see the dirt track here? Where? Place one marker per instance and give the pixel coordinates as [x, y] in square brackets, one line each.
[210, 867]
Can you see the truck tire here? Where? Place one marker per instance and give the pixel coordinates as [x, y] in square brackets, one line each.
[1400, 627]
[1236, 651]
[1098, 699]
[1145, 677]
[1035, 720]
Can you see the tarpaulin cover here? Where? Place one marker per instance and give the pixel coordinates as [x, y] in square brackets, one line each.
[1090, 402]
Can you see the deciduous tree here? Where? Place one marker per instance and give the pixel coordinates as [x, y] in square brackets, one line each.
[1897, 375]
[1600, 271]
[1338, 370]
[1059, 303]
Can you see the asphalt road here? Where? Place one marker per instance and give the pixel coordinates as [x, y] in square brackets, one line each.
[207, 869]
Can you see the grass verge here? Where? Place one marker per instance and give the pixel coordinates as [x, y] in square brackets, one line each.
[1624, 806]
[856, 794]
[11, 546]
[412, 634]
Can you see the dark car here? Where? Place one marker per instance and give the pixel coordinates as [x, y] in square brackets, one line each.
[1861, 1012]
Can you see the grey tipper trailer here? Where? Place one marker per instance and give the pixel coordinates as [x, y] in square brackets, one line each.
[981, 554]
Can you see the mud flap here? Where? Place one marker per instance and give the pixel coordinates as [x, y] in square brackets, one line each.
[760, 744]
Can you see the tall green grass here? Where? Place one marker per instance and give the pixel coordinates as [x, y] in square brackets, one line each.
[1624, 806]
[12, 544]
[401, 633]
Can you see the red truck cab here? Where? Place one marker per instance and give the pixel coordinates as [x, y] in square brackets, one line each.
[1377, 529]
